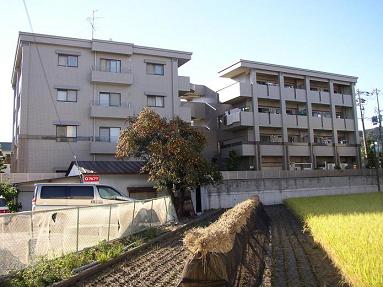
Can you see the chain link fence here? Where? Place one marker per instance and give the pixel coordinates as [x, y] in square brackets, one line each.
[26, 236]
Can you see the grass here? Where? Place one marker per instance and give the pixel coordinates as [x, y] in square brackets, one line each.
[350, 230]
[48, 271]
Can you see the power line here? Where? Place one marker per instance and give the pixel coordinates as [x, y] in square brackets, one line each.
[47, 81]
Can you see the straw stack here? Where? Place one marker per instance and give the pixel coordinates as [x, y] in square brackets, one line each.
[219, 236]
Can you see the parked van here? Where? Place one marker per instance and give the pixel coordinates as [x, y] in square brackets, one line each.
[61, 195]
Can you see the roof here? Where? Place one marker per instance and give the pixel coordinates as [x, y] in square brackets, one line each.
[108, 167]
[243, 65]
[6, 146]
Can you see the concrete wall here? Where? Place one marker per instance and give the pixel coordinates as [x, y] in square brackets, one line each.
[275, 190]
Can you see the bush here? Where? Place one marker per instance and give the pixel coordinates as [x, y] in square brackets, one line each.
[10, 195]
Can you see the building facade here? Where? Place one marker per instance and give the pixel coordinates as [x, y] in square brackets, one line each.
[288, 118]
[72, 97]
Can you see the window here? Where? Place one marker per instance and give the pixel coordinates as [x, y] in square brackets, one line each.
[64, 95]
[66, 133]
[109, 134]
[107, 192]
[110, 99]
[53, 192]
[156, 101]
[80, 192]
[109, 65]
[155, 69]
[68, 60]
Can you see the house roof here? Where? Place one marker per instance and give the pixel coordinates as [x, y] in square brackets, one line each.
[5, 146]
[108, 167]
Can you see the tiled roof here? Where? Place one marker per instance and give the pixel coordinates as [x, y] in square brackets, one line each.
[108, 167]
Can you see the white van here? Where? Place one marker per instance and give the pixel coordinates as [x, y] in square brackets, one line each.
[62, 195]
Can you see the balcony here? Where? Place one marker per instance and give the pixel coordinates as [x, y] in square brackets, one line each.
[242, 149]
[184, 84]
[347, 150]
[100, 147]
[235, 93]
[299, 149]
[270, 120]
[294, 94]
[238, 120]
[269, 91]
[111, 112]
[185, 112]
[321, 123]
[345, 124]
[319, 97]
[271, 149]
[198, 110]
[125, 78]
[323, 150]
[342, 100]
[296, 121]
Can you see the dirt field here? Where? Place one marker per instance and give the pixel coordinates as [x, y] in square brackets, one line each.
[296, 259]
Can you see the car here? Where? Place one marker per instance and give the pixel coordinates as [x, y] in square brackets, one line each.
[62, 195]
[3, 205]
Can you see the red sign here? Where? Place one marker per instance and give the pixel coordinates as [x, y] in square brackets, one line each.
[91, 178]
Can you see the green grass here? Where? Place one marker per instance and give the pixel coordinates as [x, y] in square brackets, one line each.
[350, 230]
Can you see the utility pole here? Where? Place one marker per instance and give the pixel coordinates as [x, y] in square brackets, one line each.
[376, 92]
[361, 109]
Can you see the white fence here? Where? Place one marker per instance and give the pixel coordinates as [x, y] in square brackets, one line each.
[25, 236]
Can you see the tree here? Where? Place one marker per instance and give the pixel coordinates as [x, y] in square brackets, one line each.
[172, 151]
[2, 161]
[10, 195]
[233, 161]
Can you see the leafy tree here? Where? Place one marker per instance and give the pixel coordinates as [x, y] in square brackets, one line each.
[172, 151]
[2, 161]
[233, 161]
[10, 195]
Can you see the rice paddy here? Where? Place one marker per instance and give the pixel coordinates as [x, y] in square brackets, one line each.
[350, 230]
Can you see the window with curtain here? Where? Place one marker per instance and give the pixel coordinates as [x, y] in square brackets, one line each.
[155, 69]
[66, 133]
[110, 99]
[67, 60]
[110, 65]
[108, 134]
[156, 101]
[65, 95]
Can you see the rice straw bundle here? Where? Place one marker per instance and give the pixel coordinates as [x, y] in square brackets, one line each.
[219, 236]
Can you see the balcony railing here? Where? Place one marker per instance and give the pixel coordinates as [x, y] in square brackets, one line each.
[125, 77]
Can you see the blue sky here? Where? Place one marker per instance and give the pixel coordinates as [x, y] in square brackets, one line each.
[337, 36]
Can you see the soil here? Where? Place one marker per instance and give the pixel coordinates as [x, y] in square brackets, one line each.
[159, 265]
[296, 259]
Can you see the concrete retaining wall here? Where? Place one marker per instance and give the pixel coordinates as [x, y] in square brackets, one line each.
[275, 190]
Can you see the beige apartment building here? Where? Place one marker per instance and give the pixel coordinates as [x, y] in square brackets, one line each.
[79, 102]
[288, 118]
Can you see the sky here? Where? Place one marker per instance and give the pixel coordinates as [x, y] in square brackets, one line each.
[338, 36]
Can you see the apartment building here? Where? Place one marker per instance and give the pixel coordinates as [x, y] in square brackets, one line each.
[77, 101]
[288, 118]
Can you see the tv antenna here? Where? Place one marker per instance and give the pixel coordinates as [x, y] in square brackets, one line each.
[92, 22]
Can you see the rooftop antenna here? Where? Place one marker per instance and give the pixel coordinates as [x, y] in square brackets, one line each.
[92, 22]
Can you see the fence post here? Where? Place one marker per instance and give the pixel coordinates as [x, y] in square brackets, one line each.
[166, 209]
[110, 214]
[134, 209]
[151, 214]
[78, 223]
[30, 241]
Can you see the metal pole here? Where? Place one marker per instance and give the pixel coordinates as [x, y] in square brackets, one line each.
[151, 214]
[110, 214]
[166, 209]
[380, 127]
[30, 240]
[377, 166]
[131, 224]
[78, 223]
